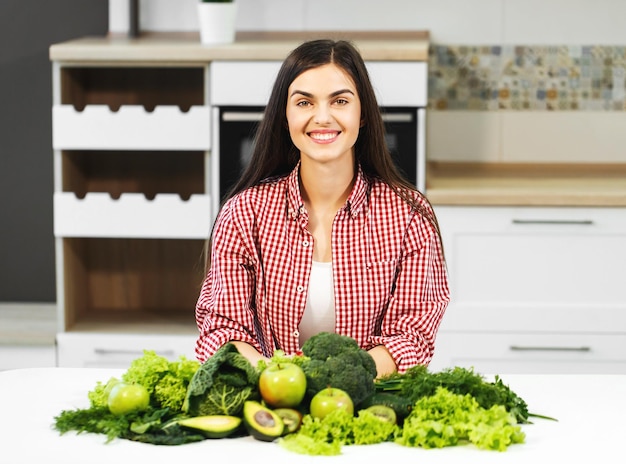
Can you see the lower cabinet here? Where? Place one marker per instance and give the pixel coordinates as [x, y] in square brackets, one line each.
[117, 350]
[515, 353]
[534, 289]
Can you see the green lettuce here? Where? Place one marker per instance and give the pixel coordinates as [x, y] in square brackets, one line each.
[449, 419]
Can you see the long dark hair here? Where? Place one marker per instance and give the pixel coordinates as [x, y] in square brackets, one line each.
[274, 153]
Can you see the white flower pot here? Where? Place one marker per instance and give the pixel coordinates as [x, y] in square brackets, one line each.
[217, 22]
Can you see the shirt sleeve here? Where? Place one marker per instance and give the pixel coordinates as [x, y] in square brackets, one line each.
[410, 324]
[224, 310]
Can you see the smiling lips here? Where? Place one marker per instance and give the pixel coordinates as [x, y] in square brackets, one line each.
[324, 136]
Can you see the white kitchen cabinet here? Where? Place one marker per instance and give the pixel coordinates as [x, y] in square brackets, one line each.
[534, 289]
[118, 350]
[132, 207]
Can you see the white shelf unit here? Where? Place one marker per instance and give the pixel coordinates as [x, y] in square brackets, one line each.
[534, 289]
[131, 127]
[132, 215]
[132, 203]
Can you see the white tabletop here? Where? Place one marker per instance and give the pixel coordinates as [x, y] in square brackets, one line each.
[590, 410]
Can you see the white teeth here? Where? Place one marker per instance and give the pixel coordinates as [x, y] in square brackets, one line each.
[324, 136]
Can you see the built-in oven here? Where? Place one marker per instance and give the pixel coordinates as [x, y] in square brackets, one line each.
[240, 90]
[237, 127]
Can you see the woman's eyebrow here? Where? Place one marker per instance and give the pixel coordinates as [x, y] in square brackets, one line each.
[310, 95]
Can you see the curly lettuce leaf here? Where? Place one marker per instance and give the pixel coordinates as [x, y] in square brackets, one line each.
[448, 419]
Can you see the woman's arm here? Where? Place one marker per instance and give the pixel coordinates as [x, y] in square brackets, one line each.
[384, 362]
[421, 296]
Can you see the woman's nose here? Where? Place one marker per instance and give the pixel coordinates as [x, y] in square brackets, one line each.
[322, 115]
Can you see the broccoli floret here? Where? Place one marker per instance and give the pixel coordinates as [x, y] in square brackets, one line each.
[326, 344]
[338, 361]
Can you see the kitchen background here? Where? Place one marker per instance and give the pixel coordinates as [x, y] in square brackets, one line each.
[509, 81]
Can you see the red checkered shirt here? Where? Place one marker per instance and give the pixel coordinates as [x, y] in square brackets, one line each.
[256, 288]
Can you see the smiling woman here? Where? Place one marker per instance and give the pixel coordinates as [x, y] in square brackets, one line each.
[322, 187]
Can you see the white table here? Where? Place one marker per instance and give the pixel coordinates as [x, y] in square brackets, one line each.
[590, 410]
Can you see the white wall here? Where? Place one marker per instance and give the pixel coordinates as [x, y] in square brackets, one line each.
[476, 22]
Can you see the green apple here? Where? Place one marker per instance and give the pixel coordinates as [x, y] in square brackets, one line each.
[328, 400]
[282, 385]
[125, 398]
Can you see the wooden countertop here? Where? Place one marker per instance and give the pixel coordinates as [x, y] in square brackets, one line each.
[185, 47]
[484, 184]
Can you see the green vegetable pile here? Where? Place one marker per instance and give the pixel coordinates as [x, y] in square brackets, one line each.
[417, 382]
[177, 389]
[166, 382]
[428, 409]
[435, 421]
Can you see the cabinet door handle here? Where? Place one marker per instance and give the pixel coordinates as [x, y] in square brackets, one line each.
[109, 352]
[550, 348]
[576, 222]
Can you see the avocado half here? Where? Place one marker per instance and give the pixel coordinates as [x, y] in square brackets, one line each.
[261, 422]
[215, 426]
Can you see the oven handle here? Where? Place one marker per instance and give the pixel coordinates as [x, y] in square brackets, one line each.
[256, 116]
[242, 116]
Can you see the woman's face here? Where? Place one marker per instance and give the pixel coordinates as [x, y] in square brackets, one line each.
[324, 114]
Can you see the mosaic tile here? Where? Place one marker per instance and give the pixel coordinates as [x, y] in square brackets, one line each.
[519, 77]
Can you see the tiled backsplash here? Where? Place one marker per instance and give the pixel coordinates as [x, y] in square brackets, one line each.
[559, 78]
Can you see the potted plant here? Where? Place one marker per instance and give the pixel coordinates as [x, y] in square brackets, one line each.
[217, 21]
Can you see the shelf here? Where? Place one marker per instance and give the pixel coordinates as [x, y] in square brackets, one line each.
[131, 127]
[137, 282]
[132, 215]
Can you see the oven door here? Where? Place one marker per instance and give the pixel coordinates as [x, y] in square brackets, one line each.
[237, 127]
[404, 140]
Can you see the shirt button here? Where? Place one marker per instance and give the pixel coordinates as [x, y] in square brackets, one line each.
[305, 243]
[296, 334]
[300, 289]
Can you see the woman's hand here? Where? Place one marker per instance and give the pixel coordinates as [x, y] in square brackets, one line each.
[384, 362]
[249, 352]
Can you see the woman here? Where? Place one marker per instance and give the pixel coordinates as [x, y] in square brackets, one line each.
[321, 233]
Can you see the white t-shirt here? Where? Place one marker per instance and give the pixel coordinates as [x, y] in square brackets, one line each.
[319, 313]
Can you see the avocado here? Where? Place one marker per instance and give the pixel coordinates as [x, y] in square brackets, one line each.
[292, 418]
[401, 406]
[261, 422]
[383, 412]
[215, 426]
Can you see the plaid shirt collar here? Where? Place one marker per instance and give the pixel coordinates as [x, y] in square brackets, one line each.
[354, 204]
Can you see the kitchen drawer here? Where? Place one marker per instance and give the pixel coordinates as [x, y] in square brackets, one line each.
[118, 350]
[249, 83]
[523, 353]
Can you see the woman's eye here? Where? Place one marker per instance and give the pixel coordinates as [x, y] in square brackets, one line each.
[303, 103]
[341, 101]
